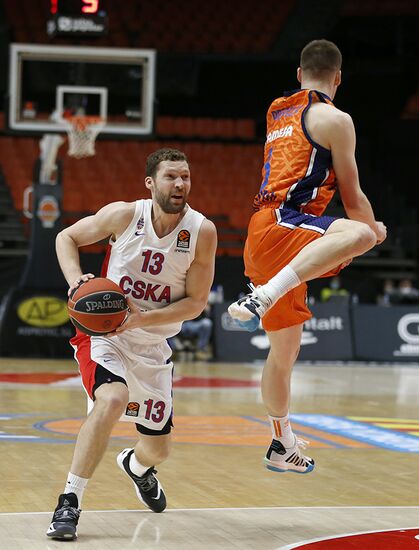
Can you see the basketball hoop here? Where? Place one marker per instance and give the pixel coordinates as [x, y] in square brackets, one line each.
[82, 132]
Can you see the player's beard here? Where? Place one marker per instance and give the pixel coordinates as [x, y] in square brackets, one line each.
[166, 205]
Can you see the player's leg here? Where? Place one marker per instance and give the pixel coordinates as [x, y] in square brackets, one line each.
[92, 440]
[152, 450]
[284, 453]
[341, 241]
[111, 397]
[151, 388]
[139, 464]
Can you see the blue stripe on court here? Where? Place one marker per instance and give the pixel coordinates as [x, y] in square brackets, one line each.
[360, 431]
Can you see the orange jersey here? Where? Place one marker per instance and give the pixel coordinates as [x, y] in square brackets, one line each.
[297, 172]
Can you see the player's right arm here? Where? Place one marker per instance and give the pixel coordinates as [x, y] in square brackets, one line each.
[341, 135]
[111, 220]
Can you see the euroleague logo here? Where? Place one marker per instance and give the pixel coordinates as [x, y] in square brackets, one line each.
[183, 239]
[133, 408]
[48, 211]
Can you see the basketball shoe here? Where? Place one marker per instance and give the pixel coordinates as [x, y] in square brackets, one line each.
[281, 459]
[147, 487]
[249, 310]
[65, 518]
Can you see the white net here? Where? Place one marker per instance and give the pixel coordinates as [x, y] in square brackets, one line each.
[82, 132]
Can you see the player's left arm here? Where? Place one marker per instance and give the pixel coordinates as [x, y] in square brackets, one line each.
[199, 279]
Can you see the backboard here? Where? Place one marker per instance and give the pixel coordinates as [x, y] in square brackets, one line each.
[117, 84]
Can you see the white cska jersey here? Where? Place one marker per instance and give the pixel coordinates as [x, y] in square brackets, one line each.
[151, 270]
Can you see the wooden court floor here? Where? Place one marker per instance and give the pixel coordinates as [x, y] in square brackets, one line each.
[362, 421]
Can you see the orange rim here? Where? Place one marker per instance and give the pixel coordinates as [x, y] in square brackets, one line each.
[81, 122]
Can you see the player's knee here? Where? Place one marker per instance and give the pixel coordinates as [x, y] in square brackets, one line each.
[364, 237]
[112, 403]
[285, 360]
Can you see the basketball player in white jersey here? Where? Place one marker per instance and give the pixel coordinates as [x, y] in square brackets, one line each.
[162, 255]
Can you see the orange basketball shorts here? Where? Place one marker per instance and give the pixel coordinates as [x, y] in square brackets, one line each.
[275, 237]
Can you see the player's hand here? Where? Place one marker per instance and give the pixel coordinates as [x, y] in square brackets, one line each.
[132, 320]
[79, 281]
[381, 232]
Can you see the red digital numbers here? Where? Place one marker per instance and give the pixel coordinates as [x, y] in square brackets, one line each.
[85, 6]
[90, 6]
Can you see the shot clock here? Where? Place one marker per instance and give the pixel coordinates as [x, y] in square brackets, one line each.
[77, 18]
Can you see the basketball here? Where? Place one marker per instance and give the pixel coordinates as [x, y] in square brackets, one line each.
[97, 306]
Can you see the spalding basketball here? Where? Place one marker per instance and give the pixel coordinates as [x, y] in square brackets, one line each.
[97, 306]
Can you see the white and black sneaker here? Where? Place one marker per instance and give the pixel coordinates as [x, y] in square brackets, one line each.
[249, 310]
[290, 459]
[147, 487]
[65, 518]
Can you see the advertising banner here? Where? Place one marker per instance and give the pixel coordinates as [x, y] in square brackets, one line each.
[327, 336]
[386, 333]
[35, 323]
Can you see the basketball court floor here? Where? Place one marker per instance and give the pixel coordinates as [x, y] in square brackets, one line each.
[362, 421]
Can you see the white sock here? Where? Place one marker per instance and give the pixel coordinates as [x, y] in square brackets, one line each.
[76, 485]
[281, 430]
[136, 467]
[281, 283]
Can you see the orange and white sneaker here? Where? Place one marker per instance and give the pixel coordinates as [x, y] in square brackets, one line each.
[282, 459]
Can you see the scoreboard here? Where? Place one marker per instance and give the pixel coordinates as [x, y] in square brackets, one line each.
[74, 7]
[77, 18]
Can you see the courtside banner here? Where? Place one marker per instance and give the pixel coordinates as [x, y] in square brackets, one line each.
[327, 336]
[386, 333]
[35, 323]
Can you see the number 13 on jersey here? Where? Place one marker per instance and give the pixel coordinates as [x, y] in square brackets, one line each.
[153, 262]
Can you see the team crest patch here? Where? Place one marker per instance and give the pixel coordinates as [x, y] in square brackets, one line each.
[133, 408]
[183, 239]
[140, 226]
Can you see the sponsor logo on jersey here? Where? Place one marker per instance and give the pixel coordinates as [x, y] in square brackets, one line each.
[183, 238]
[140, 227]
[145, 291]
[286, 131]
[283, 113]
[133, 408]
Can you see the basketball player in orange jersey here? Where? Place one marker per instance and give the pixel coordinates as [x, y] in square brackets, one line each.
[161, 254]
[309, 152]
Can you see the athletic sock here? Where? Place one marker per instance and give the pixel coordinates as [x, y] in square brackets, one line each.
[76, 485]
[281, 430]
[281, 283]
[136, 467]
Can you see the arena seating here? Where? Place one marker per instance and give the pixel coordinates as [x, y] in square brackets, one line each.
[213, 27]
[225, 177]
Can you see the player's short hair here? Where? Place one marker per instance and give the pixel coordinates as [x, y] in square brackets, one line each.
[320, 57]
[159, 156]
